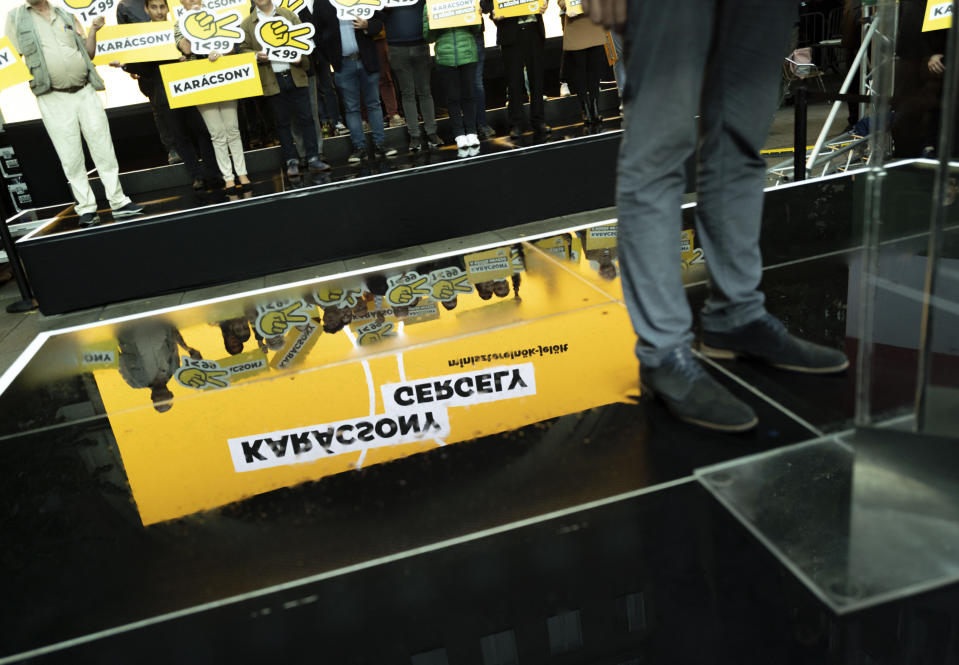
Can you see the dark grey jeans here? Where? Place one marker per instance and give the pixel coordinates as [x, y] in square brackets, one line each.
[411, 67]
[721, 59]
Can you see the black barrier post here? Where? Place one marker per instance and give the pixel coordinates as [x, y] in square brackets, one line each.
[27, 303]
[799, 135]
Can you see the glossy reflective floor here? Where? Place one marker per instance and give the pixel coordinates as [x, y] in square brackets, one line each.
[84, 453]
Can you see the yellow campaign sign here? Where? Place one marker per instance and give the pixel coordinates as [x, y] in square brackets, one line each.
[508, 8]
[453, 13]
[12, 69]
[136, 42]
[490, 265]
[212, 6]
[938, 15]
[202, 82]
[88, 10]
[601, 237]
[98, 355]
[574, 8]
[558, 246]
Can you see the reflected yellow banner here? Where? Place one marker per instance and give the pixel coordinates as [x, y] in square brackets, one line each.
[136, 42]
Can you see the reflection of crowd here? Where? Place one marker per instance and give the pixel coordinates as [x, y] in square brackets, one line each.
[351, 76]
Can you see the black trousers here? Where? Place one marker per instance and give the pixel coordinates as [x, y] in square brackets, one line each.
[584, 68]
[460, 84]
[186, 128]
[292, 100]
[526, 52]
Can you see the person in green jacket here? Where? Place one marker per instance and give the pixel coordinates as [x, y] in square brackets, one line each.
[456, 59]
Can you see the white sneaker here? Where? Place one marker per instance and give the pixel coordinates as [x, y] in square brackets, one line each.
[473, 144]
[462, 147]
[564, 90]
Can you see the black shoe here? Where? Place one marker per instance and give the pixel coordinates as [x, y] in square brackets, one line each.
[542, 130]
[358, 155]
[515, 132]
[767, 339]
[694, 396]
[293, 167]
[382, 151]
[485, 132]
[415, 145]
[316, 164]
[88, 219]
[434, 141]
[129, 210]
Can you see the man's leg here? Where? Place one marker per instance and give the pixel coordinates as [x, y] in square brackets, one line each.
[96, 132]
[401, 57]
[348, 83]
[300, 105]
[62, 122]
[424, 90]
[513, 64]
[386, 90]
[534, 54]
[480, 91]
[371, 100]
[281, 103]
[667, 57]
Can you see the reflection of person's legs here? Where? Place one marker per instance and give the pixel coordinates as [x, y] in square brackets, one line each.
[60, 118]
[739, 98]
[667, 49]
[96, 132]
[348, 83]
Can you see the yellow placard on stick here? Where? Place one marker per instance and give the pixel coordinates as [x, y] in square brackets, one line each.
[12, 69]
[574, 8]
[938, 15]
[508, 8]
[453, 13]
[136, 42]
[202, 82]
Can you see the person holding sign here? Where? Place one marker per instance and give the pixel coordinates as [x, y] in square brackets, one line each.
[283, 45]
[720, 60]
[583, 43]
[522, 41]
[64, 82]
[220, 117]
[456, 58]
[348, 44]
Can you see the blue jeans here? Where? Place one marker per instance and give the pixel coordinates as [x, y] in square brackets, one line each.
[356, 84]
[479, 95]
[723, 58]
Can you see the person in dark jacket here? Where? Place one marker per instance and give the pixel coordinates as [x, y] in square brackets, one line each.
[522, 41]
[410, 57]
[456, 65]
[348, 45]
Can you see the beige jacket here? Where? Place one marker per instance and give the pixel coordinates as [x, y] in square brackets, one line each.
[580, 32]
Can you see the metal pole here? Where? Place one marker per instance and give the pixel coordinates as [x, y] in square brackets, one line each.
[799, 132]
[940, 189]
[26, 303]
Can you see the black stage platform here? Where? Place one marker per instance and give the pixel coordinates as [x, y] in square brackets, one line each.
[559, 525]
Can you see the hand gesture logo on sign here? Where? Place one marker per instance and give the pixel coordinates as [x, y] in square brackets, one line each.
[284, 41]
[208, 33]
[277, 322]
[448, 282]
[87, 10]
[194, 377]
[356, 8]
[373, 333]
[292, 5]
[406, 288]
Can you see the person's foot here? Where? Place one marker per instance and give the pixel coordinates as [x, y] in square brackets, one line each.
[473, 144]
[515, 132]
[244, 180]
[316, 163]
[292, 167]
[415, 145]
[542, 130]
[381, 151]
[694, 396]
[173, 157]
[564, 89]
[88, 219]
[357, 156]
[485, 132]
[129, 210]
[434, 141]
[767, 339]
[462, 147]
[397, 120]
[198, 184]
[341, 129]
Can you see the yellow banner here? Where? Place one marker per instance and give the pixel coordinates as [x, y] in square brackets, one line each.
[507, 8]
[136, 42]
[212, 6]
[601, 237]
[453, 13]
[938, 15]
[12, 69]
[574, 8]
[489, 265]
[202, 82]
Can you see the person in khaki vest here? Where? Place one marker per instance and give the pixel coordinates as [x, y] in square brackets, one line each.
[65, 83]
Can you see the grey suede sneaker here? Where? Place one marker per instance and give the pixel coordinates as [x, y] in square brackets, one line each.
[767, 339]
[694, 396]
